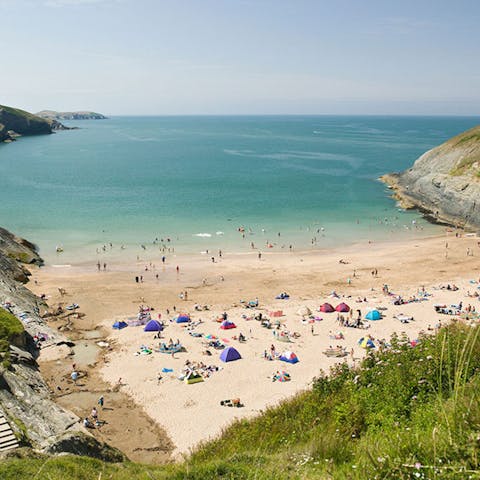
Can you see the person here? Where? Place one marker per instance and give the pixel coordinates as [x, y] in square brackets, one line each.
[101, 401]
[178, 269]
[87, 423]
[313, 330]
[94, 413]
[98, 266]
[104, 266]
[74, 376]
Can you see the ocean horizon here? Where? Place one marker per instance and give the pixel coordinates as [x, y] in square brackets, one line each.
[197, 183]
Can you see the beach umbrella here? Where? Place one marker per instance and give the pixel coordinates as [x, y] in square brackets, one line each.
[342, 307]
[304, 311]
[289, 357]
[283, 377]
[373, 315]
[366, 342]
[230, 354]
[327, 308]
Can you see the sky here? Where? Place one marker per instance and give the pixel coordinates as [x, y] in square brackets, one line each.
[181, 57]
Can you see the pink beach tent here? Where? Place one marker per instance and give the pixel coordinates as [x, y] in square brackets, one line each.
[327, 308]
[342, 307]
[226, 325]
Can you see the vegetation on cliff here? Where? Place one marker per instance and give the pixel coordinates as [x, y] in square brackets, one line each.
[469, 164]
[20, 122]
[10, 328]
[406, 412]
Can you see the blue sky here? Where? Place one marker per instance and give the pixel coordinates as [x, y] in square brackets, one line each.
[241, 56]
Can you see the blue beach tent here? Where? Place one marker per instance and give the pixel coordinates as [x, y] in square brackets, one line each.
[119, 325]
[373, 315]
[289, 357]
[183, 319]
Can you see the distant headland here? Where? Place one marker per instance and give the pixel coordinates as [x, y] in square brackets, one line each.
[81, 115]
[15, 123]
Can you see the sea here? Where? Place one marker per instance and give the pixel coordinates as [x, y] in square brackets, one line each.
[194, 184]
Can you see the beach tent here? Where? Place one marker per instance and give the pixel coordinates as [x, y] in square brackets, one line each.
[289, 357]
[366, 342]
[304, 311]
[230, 354]
[193, 377]
[119, 325]
[327, 308]
[373, 315]
[183, 319]
[226, 325]
[153, 326]
[342, 307]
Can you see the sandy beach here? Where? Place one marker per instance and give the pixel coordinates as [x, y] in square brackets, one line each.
[193, 413]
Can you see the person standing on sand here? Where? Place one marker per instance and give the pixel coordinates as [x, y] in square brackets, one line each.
[98, 266]
[101, 401]
[104, 266]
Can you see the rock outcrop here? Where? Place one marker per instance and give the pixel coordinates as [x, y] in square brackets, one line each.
[15, 122]
[444, 182]
[81, 115]
[25, 399]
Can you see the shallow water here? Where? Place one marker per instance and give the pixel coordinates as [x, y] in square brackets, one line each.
[196, 180]
[85, 353]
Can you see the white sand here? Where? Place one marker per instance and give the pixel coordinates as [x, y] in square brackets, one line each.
[192, 413]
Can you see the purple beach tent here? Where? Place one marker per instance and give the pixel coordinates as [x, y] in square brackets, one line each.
[153, 326]
[230, 354]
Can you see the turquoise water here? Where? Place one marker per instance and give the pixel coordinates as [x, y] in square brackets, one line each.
[129, 180]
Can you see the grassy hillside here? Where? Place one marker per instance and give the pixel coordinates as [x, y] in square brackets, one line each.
[469, 142]
[22, 122]
[10, 327]
[407, 413]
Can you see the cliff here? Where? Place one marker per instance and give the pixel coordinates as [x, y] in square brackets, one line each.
[81, 115]
[25, 399]
[444, 182]
[15, 122]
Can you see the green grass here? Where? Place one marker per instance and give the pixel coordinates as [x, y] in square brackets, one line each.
[406, 413]
[10, 327]
[21, 113]
[470, 141]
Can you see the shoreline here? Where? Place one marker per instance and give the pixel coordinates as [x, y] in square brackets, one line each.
[308, 277]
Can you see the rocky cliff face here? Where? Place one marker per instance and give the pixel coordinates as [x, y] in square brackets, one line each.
[444, 182]
[14, 122]
[25, 399]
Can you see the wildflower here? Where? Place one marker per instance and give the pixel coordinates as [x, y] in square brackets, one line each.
[418, 465]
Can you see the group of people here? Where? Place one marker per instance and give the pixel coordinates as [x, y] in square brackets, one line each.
[94, 422]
